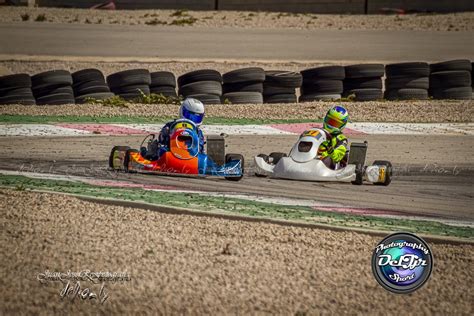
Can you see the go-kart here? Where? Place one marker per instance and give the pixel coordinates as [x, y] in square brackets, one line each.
[304, 163]
[181, 157]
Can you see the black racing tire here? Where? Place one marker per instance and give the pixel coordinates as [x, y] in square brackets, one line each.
[201, 87]
[128, 78]
[91, 87]
[388, 174]
[254, 74]
[51, 78]
[450, 79]
[133, 89]
[15, 81]
[23, 92]
[56, 99]
[283, 78]
[168, 91]
[126, 160]
[230, 157]
[280, 98]
[326, 72]
[199, 75]
[450, 65]
[162, 78]
[406, 94]
[249, 86]
[206, 98]
[87, 75]
[363, 83]
[404, 82]
[18, 99]
[275, 157]
[318, 97]
[365, 71]
[322, 86]
[269, 90]
[359, 180]
[365, 94]
[459, 93]
[97, 96]
[111, 155]
[243, 97]
[52, 90]
[412, 69]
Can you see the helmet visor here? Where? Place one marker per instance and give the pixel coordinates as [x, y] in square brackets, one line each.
[195, 117]
[334, 123]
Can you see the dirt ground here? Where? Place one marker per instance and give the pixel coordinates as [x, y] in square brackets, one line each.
[235, 19]
[197, 265]
[432, 176]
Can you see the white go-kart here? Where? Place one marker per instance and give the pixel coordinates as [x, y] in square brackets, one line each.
[303, 163]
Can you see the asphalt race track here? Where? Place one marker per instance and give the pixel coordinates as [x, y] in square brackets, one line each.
[227, 43]
[431, 179]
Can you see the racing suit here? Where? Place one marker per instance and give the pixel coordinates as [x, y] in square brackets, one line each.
[334, 151]
[161, 145]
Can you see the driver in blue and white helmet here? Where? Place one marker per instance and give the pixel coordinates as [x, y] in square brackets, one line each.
[191, 109]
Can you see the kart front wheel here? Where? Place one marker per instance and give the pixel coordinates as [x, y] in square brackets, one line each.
[127, 161]
[117, 153]
[275, 157]
[229, 158]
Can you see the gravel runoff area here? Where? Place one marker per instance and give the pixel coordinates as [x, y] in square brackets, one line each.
[199, 265]
[241, 19]
[403, 111]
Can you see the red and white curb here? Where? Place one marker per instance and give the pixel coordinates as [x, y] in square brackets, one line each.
[67, 129]
[314, 204]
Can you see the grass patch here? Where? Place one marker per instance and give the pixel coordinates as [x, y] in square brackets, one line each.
[40, 18]
[32, 119]
[184, 21]
[25, 17]
[155, 21]
[238, 207]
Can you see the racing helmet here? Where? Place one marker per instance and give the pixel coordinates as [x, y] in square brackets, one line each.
[336, 119]
[193, 110]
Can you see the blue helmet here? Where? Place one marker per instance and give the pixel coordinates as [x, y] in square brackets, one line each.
[193, 110]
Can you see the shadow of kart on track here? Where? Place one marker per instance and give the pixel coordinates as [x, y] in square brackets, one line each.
[182, 157]
[303, 163]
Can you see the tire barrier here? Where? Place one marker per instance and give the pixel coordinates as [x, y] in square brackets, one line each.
[16, 89]
[130, 84]
[53, 87]
[322, 83]
[244, 85]
[204, 85]
[407, 81]
[403, 81]
[90, 83]
[364, 82]
[451, 80]
[280, 86]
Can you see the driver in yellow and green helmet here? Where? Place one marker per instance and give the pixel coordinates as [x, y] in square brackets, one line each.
[334, 151]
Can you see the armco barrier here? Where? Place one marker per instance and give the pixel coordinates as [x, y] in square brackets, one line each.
[135, 4]
[375, 6]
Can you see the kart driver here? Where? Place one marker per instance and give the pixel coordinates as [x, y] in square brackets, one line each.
[334, 151]
[191, 109]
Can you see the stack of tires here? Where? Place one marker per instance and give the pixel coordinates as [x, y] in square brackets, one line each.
[16, 89]
[53, 87]
[451, 80]
[407, 81]
[90, 83]
[130, 84]
[204, 85]
[322, 83]
[280, 86]
[164, 83]
[364, 81]
[243, 85]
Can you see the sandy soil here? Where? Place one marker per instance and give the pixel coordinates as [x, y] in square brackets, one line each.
[185, 264]
[432, 22]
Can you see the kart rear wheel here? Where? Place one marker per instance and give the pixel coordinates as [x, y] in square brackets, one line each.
[276, 156]
[388, 173]
[230, 157]
[266, 159]
[126, 160]
[112, 153]
[359, 180]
